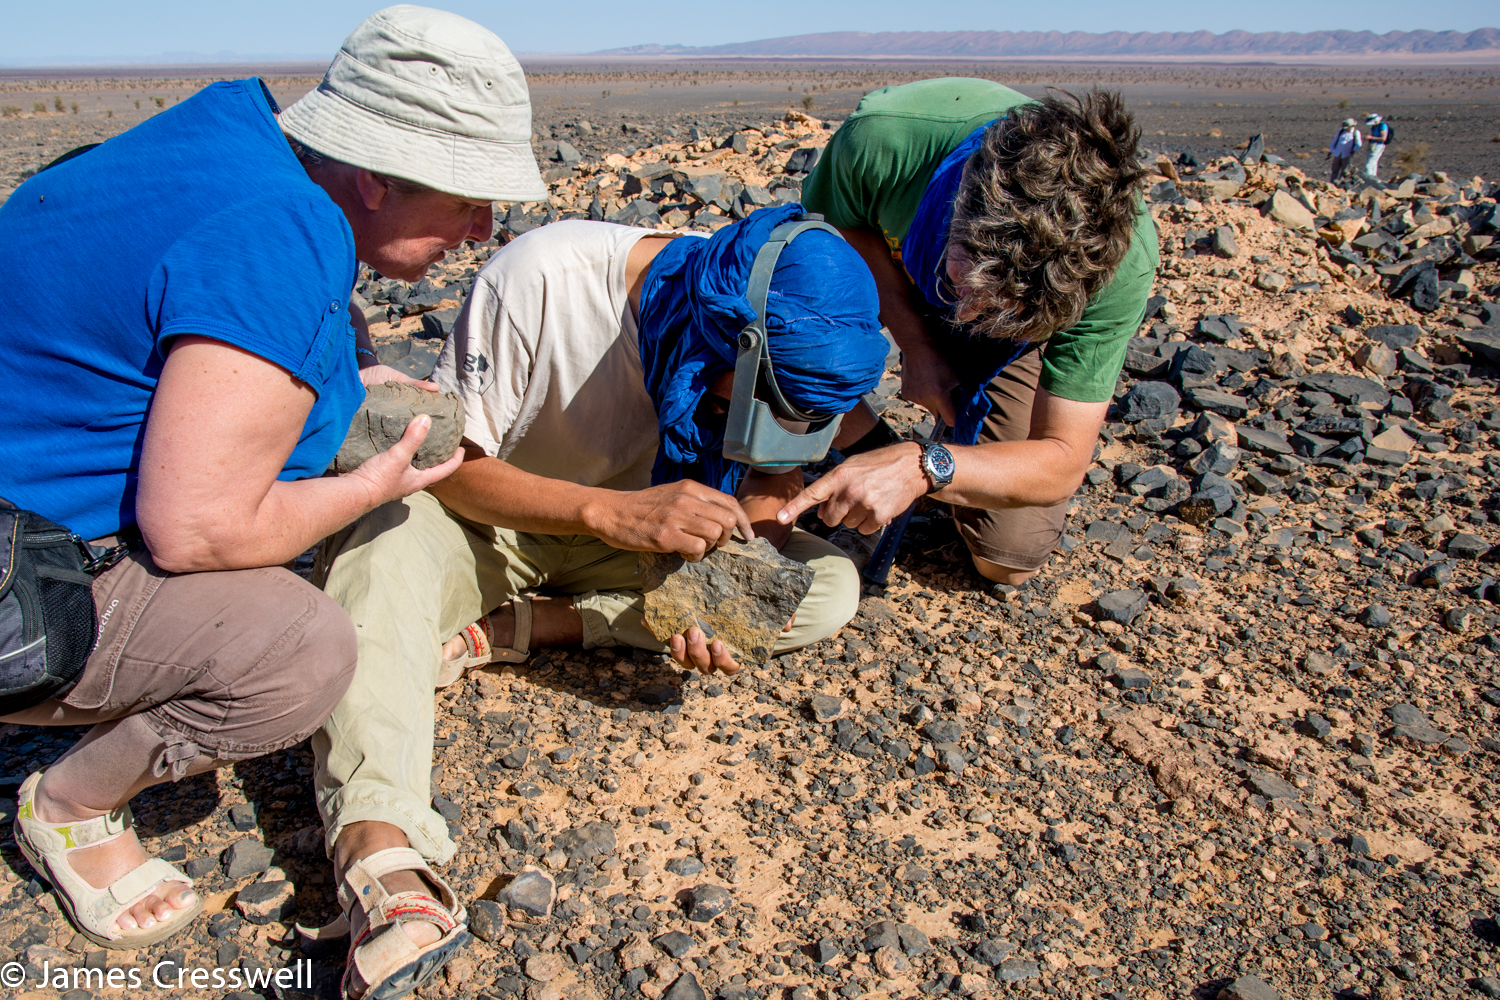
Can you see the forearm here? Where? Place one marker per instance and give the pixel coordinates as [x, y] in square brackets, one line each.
[1033, 473]
[486, 490]
[290, 519]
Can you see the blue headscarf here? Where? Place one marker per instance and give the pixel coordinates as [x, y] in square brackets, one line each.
[924, 253]
[822, 328]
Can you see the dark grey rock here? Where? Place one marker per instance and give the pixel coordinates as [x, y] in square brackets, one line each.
[1206, 504]
[685, 866]
[1131, 679]
[532, 892]
[1226, 404]
[1315, 726]
[1359, 845]
[1346, 388]
[943, 731]
[686, 987]
[381, 420]
[707, 902]
[1375, 616]
[1149, 401]
[674, 943]
[583, 843]
[1412, 725]
[1261, 441]
[1269, 786]
[1248, 988]
[1224, 242]
[881, 935]
[1263, 483]
[1122, 605]
[1466, 546]
[486, 920]
[1015, 970]
[1488, 985]
[1219, 458]
[247, 857]
[199, 867]
[266, 902]
[913, 939]
[825, 950]
[993, 951]
[826, 707]
[742, 593]
[1395, 337]
[242, 816]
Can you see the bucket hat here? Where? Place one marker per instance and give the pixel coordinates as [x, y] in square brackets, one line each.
[1348, 123]
[426, 96]
[1372, 119]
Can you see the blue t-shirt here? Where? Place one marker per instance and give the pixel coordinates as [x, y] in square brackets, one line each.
[199, 221]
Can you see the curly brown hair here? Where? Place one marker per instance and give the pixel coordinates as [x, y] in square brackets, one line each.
[1045, 212]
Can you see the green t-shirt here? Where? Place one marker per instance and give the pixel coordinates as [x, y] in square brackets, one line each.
[877, 165]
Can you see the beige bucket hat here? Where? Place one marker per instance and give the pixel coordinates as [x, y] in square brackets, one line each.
[426, 96]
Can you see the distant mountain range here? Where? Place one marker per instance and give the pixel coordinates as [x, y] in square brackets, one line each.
[1077, 44]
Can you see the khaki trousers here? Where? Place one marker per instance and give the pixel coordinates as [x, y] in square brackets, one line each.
[411, 575]
[1018, 537]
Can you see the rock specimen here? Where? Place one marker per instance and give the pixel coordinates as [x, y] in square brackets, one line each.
[742, 593]
[382, 418]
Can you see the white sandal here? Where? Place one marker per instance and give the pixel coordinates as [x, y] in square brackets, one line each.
[391, 964]
[479, 644]
[94, 911]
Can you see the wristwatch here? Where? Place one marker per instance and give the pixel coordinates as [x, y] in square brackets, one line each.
[937, 465]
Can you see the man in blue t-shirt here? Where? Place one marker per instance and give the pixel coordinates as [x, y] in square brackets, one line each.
[180, 395]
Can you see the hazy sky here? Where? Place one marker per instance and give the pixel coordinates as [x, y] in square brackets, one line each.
[35, 31]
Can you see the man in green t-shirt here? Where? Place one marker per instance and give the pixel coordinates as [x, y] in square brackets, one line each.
[1013, 256]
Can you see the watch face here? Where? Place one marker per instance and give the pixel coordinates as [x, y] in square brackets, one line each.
[940, 463]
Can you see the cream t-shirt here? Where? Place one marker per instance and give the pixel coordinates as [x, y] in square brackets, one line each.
[546, 359]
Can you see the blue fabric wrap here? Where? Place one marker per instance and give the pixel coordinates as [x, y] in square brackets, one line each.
[924, 253]
[822, 327]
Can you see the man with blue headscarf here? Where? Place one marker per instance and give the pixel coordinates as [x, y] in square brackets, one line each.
[593, 362]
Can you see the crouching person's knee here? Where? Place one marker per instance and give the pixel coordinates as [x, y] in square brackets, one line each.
[283, 657]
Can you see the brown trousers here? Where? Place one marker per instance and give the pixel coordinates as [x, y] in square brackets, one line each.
[1017, 537]
[229, 665]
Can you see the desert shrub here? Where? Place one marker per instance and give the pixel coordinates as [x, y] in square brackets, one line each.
[1412, 159]
[161, 102]
[808, 102]
[10, 111]
[40, 107]
[57, 103]
[74, 106]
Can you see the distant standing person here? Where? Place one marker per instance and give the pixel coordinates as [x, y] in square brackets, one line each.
[1380, 137]
[1341, 150]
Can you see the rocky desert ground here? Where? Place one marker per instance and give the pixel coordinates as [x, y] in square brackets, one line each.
[1238, 740]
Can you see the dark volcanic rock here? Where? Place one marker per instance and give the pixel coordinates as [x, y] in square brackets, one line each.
[1248, 988]
[486, 920]
[742, 593]
[381, 420]
[1148, 401]
[586, 842]
[532, 892]
[686, 985]
[1122, 605]
[707, 902]
[247, 857]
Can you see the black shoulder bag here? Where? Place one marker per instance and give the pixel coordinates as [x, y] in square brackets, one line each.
[48, 622]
